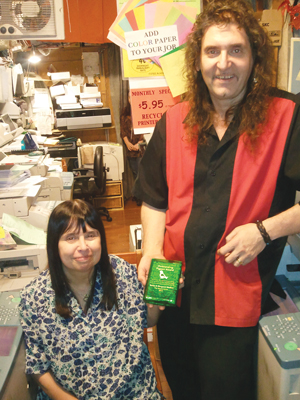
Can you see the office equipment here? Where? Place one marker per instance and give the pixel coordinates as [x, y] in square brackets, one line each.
[13, 381]
[279, 344]
[112, 157]
[279, 357]
[64, 148]
[7, 135]
[30, 20]
[52, 187]
[26, 260]
[36, 164]
[39, 213]
[83, 118]
[10, 108]
[88, 187]
[19, 205]
[135, 237]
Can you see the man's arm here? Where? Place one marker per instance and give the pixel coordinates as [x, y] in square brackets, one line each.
[49, 385]
[245, 242]
[153, 222]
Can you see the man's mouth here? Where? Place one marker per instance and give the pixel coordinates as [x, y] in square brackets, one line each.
[224, 77]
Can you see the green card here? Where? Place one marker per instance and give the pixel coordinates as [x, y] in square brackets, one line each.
[163, 282]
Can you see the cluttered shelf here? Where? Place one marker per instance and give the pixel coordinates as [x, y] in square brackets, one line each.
[87, 135]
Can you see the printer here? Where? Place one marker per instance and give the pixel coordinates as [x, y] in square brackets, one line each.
[20, 265]
[83, 118]
[113, 158]
[52, 187]
[36, 164]
[17, 204]
[39, 213]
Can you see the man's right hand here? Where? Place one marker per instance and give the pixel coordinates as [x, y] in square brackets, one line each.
[144, 267]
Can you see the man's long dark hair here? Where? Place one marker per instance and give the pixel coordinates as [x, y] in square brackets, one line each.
[77, 214]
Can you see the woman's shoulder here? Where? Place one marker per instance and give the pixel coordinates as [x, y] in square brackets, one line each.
[39, 286]
[122, 268]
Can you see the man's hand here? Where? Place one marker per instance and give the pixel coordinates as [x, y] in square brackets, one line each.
[143, 272]
[243, 244]
[143, 269]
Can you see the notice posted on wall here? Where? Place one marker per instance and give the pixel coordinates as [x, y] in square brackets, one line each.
[150, 98]
[155, 42]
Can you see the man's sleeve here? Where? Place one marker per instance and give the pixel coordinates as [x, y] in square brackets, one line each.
[151, 184]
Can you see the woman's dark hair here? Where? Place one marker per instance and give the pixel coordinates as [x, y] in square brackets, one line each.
[77, 214]
[252, 111]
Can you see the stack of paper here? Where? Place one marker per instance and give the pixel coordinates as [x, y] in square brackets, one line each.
[91, 100]
[6, 240]
[10, 175]
[67, 102]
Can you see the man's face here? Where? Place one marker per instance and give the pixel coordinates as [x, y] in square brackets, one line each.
[226, 62]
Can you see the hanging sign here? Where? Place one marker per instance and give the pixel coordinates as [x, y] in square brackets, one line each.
[154, 42]
[150, 98]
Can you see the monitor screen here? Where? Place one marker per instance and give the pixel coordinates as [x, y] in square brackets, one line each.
[7, 337]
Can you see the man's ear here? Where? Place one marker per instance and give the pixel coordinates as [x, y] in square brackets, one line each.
[197, 64]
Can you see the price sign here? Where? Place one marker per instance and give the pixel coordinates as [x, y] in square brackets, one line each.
[148, 106]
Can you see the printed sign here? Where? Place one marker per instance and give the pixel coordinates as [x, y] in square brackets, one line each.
[148, 105]
[154, 42]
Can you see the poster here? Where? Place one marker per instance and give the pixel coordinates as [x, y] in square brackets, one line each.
[150, 98]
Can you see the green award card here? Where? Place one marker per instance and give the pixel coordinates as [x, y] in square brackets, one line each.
[163, 282]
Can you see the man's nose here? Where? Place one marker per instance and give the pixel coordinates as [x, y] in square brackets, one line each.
[224, 60]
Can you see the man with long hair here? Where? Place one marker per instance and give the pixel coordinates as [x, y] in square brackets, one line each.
[218, 183]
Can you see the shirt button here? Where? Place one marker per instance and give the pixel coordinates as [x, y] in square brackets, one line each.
[198, 281]
[207, 209]
[201, 246]
[213, 173]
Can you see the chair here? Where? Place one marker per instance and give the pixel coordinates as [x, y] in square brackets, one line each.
[88, 186]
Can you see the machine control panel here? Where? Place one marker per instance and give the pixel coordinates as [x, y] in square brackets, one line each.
[282, 333]
[9, 315]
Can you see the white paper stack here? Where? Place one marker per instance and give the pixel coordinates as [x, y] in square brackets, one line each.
[90, 100]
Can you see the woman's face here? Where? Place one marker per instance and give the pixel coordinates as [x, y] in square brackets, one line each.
[80, 251]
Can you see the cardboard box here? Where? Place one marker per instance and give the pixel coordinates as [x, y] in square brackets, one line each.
[271, 20]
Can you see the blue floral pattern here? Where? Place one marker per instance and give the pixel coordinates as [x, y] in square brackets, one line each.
[100, 355]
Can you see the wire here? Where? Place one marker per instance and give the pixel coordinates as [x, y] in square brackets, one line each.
[45, 53]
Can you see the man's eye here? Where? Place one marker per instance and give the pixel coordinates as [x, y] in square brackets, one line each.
[236, 51]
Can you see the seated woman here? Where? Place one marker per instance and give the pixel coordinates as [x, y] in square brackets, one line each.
[83, 318]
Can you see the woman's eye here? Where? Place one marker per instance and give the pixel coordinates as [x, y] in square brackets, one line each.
[92, 235]
[71, 238]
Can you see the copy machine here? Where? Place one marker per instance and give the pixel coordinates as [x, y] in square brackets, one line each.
[279, 333]
[18, 267]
